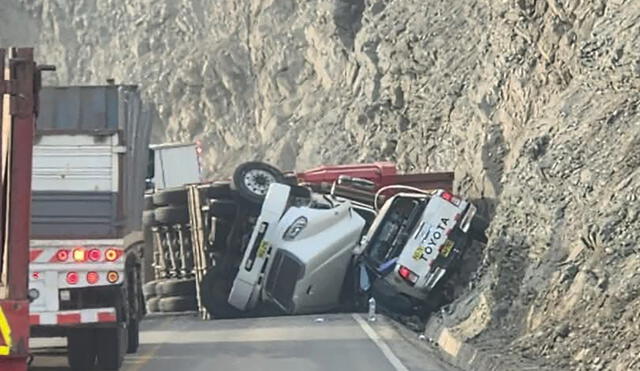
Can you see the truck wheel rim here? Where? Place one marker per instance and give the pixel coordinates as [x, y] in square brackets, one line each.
[258, 181]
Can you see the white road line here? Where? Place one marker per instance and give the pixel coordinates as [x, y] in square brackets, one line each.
[384, 348]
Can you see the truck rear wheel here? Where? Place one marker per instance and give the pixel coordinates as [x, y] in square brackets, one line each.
[148, 202]
[172, 215]
[81, 349]
[153, 305]
[133, 334]
[149, 218]
[176, 287]
[112, 348]
[171, 196]
[149, 289]
[178, 304]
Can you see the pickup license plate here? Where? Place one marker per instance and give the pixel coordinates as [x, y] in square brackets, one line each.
[262, 249]
[446, 248]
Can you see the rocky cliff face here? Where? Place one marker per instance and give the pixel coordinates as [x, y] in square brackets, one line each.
[533, 103]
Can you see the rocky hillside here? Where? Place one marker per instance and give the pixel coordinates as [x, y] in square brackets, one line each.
[533, 103]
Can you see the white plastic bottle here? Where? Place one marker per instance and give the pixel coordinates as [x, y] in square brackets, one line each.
[372, 309]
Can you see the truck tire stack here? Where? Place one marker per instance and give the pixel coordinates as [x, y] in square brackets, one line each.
[228, 210]
[171, 295]
[173, 289]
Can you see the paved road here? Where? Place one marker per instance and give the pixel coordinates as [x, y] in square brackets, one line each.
[336, 342]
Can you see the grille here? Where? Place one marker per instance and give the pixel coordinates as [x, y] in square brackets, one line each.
[283, 276]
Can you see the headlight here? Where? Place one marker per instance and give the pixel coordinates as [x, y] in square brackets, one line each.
[294, 229]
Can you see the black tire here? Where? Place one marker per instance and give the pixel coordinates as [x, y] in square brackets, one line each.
[113, 345]
[219, 190]
[178, 304]
[170, 196]
[149, 289]
[478, 228]
[172, 215]
[148, 202]
[153, 305]
[176, 287]
[133, 335]
[149, 218]
[223, 208]
[214, 292]
[251, 180]
[82, 349]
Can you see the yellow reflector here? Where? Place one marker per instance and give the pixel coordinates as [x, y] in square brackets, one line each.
[112, 277]
[79, 255]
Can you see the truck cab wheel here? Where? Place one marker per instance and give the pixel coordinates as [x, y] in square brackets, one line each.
[251, 180]
[81, 349]
[214, 291]
[112, 347]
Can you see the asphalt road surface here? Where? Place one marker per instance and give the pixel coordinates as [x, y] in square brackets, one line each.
[308, 343]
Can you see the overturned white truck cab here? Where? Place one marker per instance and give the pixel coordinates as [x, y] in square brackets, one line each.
[299, 252]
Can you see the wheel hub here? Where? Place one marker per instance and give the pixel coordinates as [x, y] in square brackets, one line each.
[258, 181]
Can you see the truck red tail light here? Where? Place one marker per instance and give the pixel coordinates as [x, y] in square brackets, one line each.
[72, 278]
[95, 255]
[408, 275]
[80, 254]
[112, 254]
[92, 278]
[62, 255]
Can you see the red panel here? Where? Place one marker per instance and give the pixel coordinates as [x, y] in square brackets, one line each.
[34, 319]
[106, 317]
[16, 206]
[376, 172]
[33, 254]
[23, 111]
[66, 319]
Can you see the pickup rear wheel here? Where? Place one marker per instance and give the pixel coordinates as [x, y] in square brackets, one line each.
[81, 352]
[478, 228]
[113, 343]
[251, 180]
